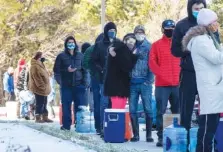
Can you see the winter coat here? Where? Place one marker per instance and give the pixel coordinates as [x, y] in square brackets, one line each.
[8, 83]
[163, 64]
[117, 79]
[22, 81]
[39, 78]
[21, 64]
[208, 62]
[141, 72]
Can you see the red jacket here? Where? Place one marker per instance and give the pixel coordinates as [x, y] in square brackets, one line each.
[163, 64]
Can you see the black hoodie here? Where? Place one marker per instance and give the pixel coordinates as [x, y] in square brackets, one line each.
[99, 54]
[63, 61]
[181, 29]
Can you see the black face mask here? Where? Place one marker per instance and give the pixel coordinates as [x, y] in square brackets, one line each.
[43, 59]
[168, 33]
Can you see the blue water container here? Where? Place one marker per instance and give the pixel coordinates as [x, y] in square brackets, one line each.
[114, 125]
[85, 121]
[175, 138]
[193, 139]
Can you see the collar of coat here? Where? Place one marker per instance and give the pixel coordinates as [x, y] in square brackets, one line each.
[193, 32]
[38, 63]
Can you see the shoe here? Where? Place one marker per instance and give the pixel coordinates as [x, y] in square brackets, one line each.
[159, 143]
[98, 132]
[27, 118]
[149, 129]
[64, 129]
[46, 119]
[135, 128]
[38, 119]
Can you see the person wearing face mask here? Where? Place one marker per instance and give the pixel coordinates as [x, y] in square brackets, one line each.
[121, 60]
[8, 85]
[98, 66]
[72, 78]
[166, 68]
[141, 85]
[39, 84]
[207, 56]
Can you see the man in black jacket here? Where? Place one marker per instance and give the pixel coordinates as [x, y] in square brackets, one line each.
[72, 78]
[188, 85]
[99, 59]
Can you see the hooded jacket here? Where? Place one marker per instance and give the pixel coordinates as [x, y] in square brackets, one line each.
[181, 29]
[117, 79]
[8, 83]
[39, 78]
[208, 63]
[100, 52]
[21, 64]
[163, 64]
[63, 61]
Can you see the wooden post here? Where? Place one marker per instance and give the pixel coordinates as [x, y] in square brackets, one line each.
[102, 14]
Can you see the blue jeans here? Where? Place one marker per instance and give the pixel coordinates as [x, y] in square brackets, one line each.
[103, 105]
[95, 85]
[145, 90]
[71, 94]
[24, 109]
[163, 94]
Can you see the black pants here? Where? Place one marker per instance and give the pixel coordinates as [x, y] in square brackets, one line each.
[41, 105]
[207, 128]
[163, 94]
[188, 92]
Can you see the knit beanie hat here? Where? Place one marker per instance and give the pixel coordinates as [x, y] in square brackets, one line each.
[206, 17]
[139, 27]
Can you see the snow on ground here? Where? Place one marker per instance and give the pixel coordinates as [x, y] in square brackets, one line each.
[16, 136]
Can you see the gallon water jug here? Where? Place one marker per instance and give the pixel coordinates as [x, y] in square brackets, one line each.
[193, 139]
[175, 138]
[85, 121]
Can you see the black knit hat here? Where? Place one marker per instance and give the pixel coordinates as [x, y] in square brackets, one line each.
[129, 35]
[85, 46]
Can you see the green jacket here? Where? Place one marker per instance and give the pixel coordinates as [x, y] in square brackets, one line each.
[87, 57]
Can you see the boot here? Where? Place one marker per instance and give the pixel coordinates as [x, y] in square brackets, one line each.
[46, 119]
[38, 119]
[135, 128]
[159, 143]
[149, 129]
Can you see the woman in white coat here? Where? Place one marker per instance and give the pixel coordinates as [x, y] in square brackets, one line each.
[208, 62]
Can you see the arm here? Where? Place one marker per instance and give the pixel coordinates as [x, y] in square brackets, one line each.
[5, 83]
[37, 78]
[205, 48]
[86, 78]
[153, 60]
[87, 57]
[176, 48]
[96, 59]
[57, 69]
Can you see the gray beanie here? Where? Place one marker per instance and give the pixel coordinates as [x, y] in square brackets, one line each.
[139, 27]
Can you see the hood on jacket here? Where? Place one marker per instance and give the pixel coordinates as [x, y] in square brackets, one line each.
[85, 46]
[21, 64]
[108, 27]
[189, 8]
[100, 37]
[193, 32]
[66, 41]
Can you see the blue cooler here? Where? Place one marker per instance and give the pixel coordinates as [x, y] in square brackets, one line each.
[219, 136]
[114, 125]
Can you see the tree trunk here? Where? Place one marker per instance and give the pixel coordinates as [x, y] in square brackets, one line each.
[1, 89]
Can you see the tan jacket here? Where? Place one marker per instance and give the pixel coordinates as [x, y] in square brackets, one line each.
[39, 79]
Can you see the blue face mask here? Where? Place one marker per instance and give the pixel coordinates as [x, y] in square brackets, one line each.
[195, 13]
[111, 34]
[71, 46]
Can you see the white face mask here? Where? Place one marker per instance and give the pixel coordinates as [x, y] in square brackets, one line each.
[140, 37]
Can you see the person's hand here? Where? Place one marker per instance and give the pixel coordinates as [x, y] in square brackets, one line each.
[71, 69]
[112, 52]
[135, 51]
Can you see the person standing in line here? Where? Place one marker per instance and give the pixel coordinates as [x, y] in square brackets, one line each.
[141, 85]
[51, 97]
[72, 78]
[99, 59]
[95, 84]
[8, 85]
[207, 56]
[121, 60]
[39, 84]
[166, 69]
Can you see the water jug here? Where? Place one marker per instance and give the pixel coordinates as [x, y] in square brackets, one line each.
[85, 121]
[175, 138]
[193, 139]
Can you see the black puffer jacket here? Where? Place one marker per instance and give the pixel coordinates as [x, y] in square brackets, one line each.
[63, 61]
[117, 79]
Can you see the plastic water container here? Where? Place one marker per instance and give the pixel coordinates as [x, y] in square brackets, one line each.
[114, 125]
[175, 138]
[193, 139]
[85, 121]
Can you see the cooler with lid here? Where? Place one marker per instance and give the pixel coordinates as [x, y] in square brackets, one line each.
[175, 138]
[114, 125]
